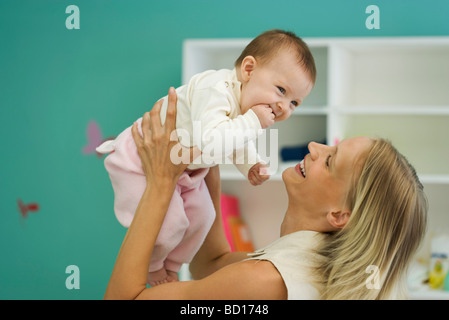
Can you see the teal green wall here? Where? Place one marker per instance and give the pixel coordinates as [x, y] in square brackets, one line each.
[126, 54]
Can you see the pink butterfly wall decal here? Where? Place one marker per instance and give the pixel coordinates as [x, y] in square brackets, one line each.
[94, 138]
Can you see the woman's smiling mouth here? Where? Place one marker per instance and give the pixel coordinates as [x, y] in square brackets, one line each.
[300, 168]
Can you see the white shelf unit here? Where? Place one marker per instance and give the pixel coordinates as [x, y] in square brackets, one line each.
[396, 88]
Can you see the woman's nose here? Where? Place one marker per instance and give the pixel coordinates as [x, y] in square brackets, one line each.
[312, 150]
[315, 149]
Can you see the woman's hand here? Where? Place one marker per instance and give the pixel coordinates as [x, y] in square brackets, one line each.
[155, 147]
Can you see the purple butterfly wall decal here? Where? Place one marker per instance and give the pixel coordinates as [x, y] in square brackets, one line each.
[94, 138]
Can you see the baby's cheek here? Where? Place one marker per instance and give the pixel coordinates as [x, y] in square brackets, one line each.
[283, 117]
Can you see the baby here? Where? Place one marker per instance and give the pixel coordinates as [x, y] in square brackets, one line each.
[272, 76]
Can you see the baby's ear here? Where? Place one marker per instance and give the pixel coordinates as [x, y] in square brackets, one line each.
[247, 67]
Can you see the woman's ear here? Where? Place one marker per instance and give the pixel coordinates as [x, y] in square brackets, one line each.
[338, 219]
[247, 67]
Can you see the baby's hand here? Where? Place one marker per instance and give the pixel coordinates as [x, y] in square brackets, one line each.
[265, 115]
[258, 174]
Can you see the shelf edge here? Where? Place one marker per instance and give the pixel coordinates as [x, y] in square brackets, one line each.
[392, 110]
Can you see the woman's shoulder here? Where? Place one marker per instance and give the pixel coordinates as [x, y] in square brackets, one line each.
[254, 279]
[296, 258]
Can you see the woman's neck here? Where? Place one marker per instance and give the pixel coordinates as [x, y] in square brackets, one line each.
[295, 220]
[291, 223]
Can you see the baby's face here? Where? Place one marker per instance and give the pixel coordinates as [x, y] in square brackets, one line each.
[281, 84]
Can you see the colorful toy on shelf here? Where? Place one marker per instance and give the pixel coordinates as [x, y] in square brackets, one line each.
[236, 230]
[437, 273]
[439, 263]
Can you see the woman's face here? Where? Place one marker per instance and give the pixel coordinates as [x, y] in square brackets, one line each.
[320, 183]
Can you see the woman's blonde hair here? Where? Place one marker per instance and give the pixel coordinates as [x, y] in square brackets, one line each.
[368, 258]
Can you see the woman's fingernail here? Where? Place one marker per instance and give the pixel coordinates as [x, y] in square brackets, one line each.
[172, 90]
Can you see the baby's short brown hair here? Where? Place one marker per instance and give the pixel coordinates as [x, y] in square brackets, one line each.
[266, 46]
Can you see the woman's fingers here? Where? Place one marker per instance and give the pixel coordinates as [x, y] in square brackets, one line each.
[145, 125]
[155, 116]
[158, 130]
[170, 120]
[136, 136]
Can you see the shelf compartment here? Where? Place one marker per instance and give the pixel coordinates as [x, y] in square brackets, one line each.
[293, 132]
[262, 208]
[422, 139]
[318, 95]
[394, 75]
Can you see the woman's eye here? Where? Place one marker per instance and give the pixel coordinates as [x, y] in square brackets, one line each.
[281, 90]
[327, 160]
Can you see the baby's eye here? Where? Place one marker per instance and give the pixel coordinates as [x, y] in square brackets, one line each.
[295, 103]
[281, 90]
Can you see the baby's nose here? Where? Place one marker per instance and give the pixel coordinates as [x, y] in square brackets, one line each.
[277, 107]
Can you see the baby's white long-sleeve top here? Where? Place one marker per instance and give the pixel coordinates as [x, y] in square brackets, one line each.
[209, 116]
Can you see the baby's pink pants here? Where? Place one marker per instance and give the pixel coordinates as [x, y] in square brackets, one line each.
[189, 216]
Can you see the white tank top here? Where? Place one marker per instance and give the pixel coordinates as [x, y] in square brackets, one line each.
[295, 258]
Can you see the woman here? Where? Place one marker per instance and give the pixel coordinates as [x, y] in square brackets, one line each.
[356, 215]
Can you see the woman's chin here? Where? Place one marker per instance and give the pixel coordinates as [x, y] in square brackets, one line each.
[288, 173]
